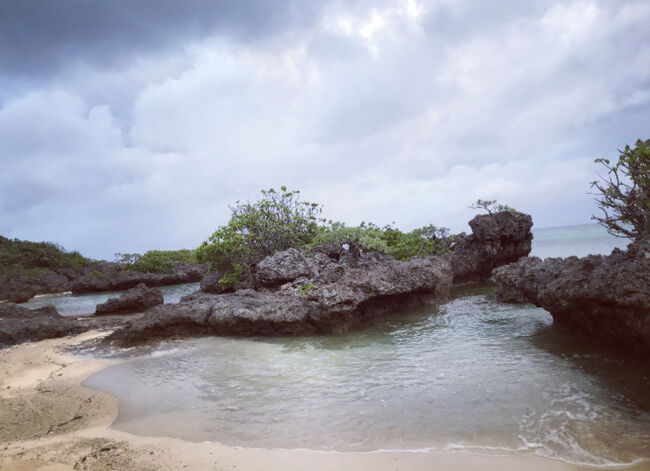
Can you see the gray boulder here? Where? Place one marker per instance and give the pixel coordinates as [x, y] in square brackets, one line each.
[606, 297]
[282, 267]
[135, 299]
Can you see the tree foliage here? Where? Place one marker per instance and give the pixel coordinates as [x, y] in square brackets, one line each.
[155, 261]
[277, 221]
[491, 206]
[280, 220]
[623, 194]
[24, 254]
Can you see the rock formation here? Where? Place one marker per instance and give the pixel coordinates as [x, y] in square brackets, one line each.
[19, 324]
[135, 299]
[329, 289]
[326, 295]
[111, 277]
[497, 239]
[607, 297]
[20, 286]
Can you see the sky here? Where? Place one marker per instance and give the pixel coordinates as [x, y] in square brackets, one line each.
[128, 126]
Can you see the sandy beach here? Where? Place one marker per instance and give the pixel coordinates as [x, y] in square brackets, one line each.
[48, 421]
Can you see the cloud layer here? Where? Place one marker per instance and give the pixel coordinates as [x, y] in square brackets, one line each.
[127, 134]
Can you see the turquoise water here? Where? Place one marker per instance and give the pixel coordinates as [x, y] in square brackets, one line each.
[473, 374]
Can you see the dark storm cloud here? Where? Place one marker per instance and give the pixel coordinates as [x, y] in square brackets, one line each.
[130, 125]
[38, 38]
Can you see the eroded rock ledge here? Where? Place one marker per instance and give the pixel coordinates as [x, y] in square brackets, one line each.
[329, 297]
[296, 292]
[19, 324]
[607, 297]
[20, 287]
[496, 239]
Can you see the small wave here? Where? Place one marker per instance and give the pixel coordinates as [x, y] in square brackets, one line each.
[161, 352]
[52, 295]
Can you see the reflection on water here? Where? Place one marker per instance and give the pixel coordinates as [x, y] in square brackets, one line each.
[472, 374]
[78, 304]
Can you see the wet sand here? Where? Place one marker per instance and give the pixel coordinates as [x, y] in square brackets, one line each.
[49, 422]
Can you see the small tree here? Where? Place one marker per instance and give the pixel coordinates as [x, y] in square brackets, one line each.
[491, 206]
[623, 194]
[278, 221]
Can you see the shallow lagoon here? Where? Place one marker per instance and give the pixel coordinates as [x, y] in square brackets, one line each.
[472, 374]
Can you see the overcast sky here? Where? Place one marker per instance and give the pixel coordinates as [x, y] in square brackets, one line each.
[131, 125]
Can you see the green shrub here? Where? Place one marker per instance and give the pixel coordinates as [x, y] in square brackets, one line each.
[280, 220]
[420, 242]
[155, 261]
[277, 221]
[304, 289]
[368, 236]
[231, 279]
[23, 254]
[35, 272]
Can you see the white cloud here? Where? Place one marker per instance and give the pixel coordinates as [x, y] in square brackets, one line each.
[371, 112]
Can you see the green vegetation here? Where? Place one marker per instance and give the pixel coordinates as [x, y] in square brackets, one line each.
[304, 289]
[491, 206]
[35, 272]
[230, 280]
[623, 195]
[155, 261]
[420, 242]
[280, 220]
[37, 257]
[98, 273]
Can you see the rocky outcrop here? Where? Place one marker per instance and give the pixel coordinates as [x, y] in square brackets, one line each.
[326, 290]
[327, 295]
[111, 277]
[136, 299]
[332, 289]
[282, 267]
[19, 286]
[497, 239]
[607, 297]
[18, 324]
